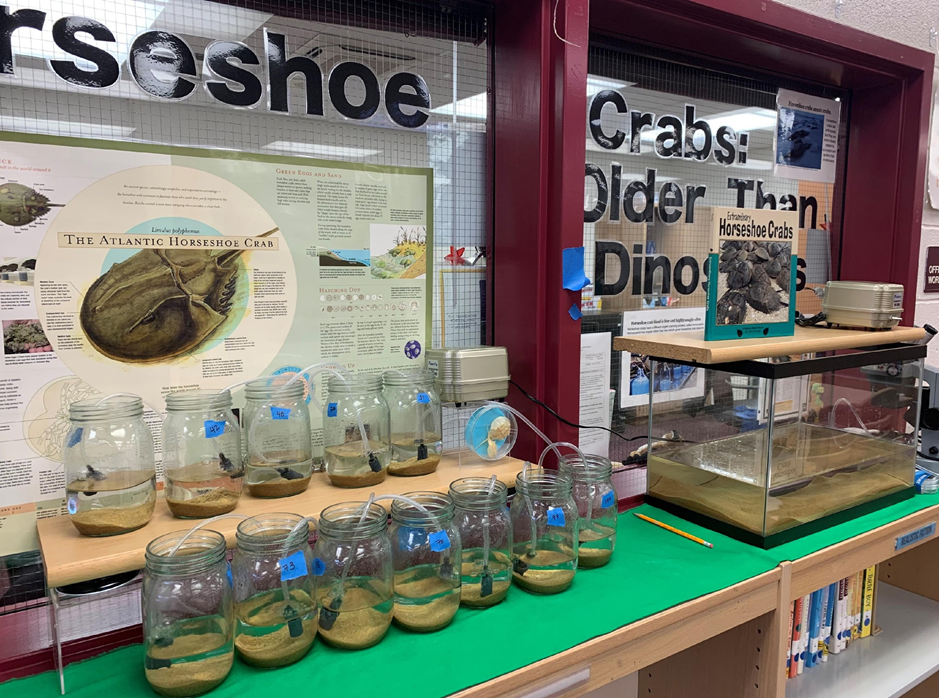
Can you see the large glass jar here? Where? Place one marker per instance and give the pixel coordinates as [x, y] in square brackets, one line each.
[355, 589]
[279, 448]
[416, 422]
[110, 480]
[202, 467]
[187, 614]
[544, 528]
[275, 590]
[596, 507]
[426, 551]
[485, 529]
[352, 405]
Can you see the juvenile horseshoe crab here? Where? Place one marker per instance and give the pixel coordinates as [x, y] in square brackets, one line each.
[160, 303]
[756, 273]
[21, 205]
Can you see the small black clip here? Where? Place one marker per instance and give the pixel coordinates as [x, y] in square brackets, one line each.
[373, 463]
[295, 626]
[327, 618]
[486, 584]
[422, 452]
[519, 566]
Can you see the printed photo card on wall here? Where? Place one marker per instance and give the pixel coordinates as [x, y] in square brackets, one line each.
[753, 292]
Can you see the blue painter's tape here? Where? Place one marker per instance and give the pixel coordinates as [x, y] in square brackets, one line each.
[556, 516]
[423, 398]
[292, 566]
[332, 409]
[439, 541]
[319, 567]
[75, 437]
[280, 412]
[213, 429]
[609, 499]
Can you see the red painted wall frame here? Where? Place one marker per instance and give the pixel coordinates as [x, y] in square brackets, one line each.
[538, 117]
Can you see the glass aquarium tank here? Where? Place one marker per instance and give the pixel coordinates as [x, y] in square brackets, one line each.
[770, 450]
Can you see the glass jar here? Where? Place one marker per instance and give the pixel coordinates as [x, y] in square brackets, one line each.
[482, 520]
[279, 448]
[544, 528]
[416, 422]
[426, 549]
[275, 590]
[187, 614]
[202, 467]
[110, 480]
[355, 588]
[350, 460]
[596, 507]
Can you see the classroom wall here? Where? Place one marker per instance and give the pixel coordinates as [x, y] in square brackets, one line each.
[908, 22]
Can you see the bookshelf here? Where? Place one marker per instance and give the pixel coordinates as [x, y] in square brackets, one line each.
[887, 665]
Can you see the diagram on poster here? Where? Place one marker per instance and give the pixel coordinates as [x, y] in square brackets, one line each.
[162, 269]
[806, 145]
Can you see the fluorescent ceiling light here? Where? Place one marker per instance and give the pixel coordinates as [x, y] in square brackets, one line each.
[53, 127]
[596, 84]
[209, 19]
[124, 19]
[475, 107]
[326, 151]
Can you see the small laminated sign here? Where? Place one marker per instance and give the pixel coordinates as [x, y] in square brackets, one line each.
[423, 398]
[439, 541]
[280, 412]
[609, 499]
[213, 429]
[556, 516]
[292, 566]
[916, 536]
[319, 567]
[332, 409]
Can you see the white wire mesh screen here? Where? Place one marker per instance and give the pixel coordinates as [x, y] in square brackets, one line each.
[447, 47]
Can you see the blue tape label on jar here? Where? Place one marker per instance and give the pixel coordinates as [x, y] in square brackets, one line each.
[319, 567]
[75, 437]
[423, 398]
[439, 541]
[292, 566]
[280, 412]
[213, 429]
[609, 499]
[332, 409]
[231, 581]
[72, 507]
[556, 516]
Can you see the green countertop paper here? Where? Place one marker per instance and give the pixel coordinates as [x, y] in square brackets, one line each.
[652, 570]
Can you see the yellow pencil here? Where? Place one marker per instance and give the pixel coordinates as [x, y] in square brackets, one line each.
[674, 530]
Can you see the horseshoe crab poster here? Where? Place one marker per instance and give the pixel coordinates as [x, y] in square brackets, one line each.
[155, 269]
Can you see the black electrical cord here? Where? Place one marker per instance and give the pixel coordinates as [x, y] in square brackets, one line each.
[579, 426]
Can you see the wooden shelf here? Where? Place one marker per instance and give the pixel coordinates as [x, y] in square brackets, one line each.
[690, 346]
[70, 557]
[886, 665]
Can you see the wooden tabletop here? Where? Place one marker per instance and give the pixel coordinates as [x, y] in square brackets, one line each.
[70, 557]
[691, 346]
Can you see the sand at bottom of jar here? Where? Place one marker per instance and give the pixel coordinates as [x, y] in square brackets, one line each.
[112, 521]
[548, 572]
[263, 636]
[425, 602]
[413, 466]
[596, 545]
[198, 663]
[211, 503]
[278, 479]
[471, 573]
[347, 465]
[363, 616]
